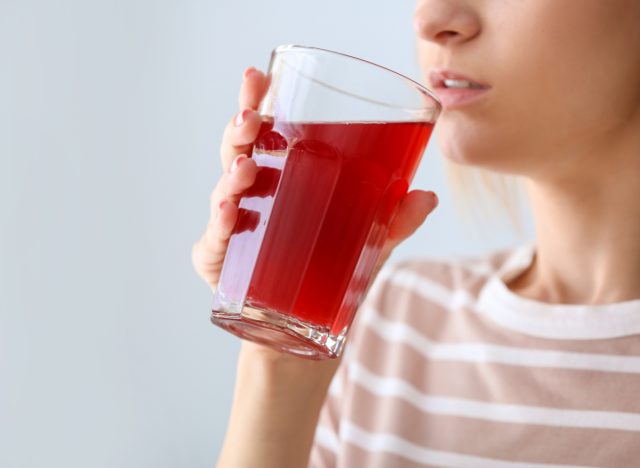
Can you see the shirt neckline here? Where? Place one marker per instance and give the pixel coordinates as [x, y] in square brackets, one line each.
[557, 321]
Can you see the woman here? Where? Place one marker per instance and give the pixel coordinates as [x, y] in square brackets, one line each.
[523, 358]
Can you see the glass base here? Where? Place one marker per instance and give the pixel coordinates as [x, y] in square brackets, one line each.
[281, 332]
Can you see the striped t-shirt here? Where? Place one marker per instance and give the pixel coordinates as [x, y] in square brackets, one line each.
[445, 366]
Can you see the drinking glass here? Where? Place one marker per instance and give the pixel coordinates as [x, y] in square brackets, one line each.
[339, 144]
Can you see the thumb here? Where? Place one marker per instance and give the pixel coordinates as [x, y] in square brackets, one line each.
[412, 212]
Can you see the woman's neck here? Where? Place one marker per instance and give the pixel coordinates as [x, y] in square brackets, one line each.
[587, 220]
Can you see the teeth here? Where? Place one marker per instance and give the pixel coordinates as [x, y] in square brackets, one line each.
[460, 84]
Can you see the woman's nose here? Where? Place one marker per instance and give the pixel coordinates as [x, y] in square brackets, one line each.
[446, 22]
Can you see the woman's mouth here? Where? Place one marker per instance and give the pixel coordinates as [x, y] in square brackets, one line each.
[456, 90]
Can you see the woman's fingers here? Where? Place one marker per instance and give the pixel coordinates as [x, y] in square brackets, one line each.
[239, 173]
[242, 129]
[239, 135]
[209, 252]
[240, 176]
[412, 212]
[253, 88]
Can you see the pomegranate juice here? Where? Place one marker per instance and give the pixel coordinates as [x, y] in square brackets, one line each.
[311, 227]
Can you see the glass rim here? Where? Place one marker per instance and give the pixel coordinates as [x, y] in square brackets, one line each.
[412, 82]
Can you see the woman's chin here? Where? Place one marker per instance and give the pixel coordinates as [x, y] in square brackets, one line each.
[463, 150]
[470, 146]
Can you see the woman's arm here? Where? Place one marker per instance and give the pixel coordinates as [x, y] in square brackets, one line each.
[277, 401]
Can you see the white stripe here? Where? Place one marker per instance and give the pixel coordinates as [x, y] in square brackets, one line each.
[327, 438]
[390, 443]
[557, 321]
[431, 290]
[335, 387]
[481, 268]
[519, 414]
[397, 332]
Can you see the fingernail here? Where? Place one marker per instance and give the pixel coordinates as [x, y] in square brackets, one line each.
[236, 162]
[240, 118]
[248, 71]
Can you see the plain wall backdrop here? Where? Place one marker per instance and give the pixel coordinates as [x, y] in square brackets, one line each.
[111, 115]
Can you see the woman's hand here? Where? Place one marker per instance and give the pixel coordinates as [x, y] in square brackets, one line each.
[239, 173]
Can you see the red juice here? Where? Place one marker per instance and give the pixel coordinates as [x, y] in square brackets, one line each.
[311, 227]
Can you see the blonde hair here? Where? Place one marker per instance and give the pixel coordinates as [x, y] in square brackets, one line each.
[487, 195]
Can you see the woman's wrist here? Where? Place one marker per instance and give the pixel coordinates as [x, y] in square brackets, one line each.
[269, 371]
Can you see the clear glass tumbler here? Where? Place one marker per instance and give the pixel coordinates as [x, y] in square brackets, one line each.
[340, 142]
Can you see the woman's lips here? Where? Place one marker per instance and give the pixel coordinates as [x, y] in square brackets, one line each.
[455, 90]
[456, 98]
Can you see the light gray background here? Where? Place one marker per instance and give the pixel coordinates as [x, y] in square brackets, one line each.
[111, 113]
